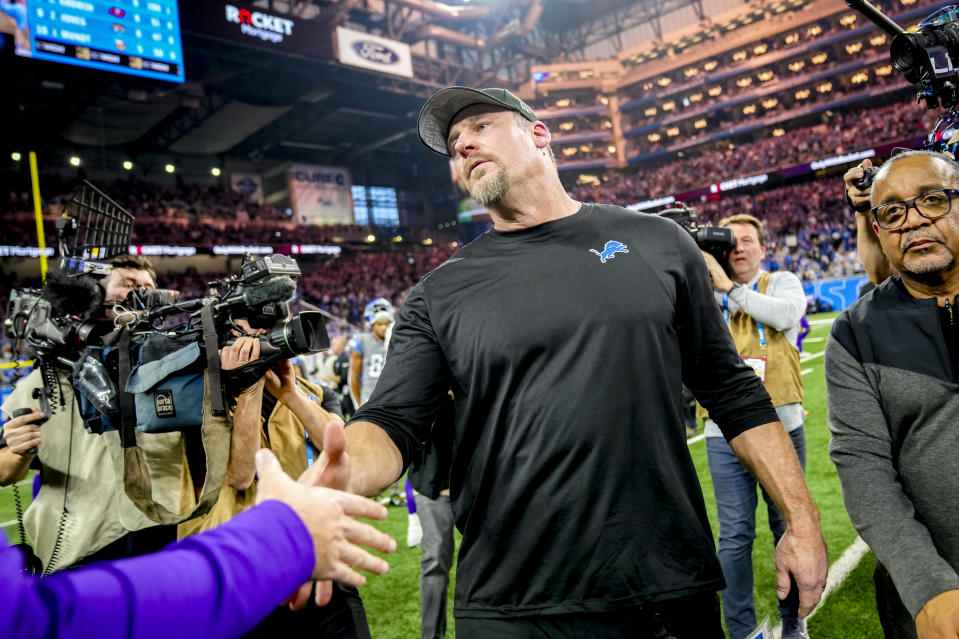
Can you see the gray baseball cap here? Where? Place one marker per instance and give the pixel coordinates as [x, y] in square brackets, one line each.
[433, 124]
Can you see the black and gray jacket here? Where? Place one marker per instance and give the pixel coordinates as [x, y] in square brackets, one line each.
[894, 417]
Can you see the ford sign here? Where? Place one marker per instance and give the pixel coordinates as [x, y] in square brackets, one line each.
[375, 52]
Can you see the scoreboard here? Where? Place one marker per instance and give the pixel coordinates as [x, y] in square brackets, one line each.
[137, 37]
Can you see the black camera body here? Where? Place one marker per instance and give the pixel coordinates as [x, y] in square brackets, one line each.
[926, 57]
[261, 294]
[715, 240]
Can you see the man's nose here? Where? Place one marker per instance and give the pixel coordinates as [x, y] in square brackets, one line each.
[464, 144]
[914, 218]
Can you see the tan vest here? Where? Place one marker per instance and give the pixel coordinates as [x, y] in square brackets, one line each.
[79, 465]
[783, 379]
[286, 440]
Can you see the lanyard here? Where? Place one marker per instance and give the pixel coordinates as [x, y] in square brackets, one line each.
[762, 329]
[309, 448]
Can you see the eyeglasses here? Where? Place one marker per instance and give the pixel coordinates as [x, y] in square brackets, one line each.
[930, 205]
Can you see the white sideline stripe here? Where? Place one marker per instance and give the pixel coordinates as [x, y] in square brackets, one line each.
[822, 322]
[806, 371]
[805, 357]
[837, 575]
[697, 438]
[7, 524]
[814, 339]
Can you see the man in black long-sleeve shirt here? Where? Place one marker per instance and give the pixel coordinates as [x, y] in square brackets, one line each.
[578, 518]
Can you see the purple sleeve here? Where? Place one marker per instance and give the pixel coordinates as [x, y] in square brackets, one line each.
[217, 584]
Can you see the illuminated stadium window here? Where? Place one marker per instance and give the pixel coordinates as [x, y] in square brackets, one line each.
[375, 205]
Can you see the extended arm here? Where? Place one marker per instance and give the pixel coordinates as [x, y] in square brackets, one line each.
[363, 460]
[873, 259]
[281, 383]
[216, 584]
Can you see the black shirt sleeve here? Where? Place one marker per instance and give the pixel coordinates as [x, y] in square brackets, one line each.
[712, 367]
[414, 381]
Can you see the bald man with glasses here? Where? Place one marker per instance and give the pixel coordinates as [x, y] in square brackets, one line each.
[892, 374]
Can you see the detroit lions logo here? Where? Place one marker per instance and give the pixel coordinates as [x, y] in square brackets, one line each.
[610, 250]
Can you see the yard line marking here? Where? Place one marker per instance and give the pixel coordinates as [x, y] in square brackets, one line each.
[821, 322]
[814, 339]
[805, 357]
[693, 440]
[806, 370]
[7, 524]
[837, 574]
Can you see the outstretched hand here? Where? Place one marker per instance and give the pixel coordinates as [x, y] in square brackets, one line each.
[331, 470]
[329, 516]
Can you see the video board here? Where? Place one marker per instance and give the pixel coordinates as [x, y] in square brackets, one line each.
[137, 37]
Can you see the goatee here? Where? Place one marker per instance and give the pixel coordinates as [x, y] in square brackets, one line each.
[492, 190]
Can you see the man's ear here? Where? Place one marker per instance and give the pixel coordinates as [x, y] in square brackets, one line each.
[541, 135]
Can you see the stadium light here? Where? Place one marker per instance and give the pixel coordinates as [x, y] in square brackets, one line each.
[16, 157]
[75, 161]
[428, 241]
[215, 171]
[169, 168]
[128, 165]
[397, 239]
[370, 238]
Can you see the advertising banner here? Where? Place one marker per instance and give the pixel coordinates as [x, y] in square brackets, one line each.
[321, 194]
[243, 23]
[248, 185]
[371, 52]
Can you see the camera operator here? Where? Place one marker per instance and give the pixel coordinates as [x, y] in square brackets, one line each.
[763, 311]
[80, 513]
[286, 414]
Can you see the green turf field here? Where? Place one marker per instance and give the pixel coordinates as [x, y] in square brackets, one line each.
[392, 601]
